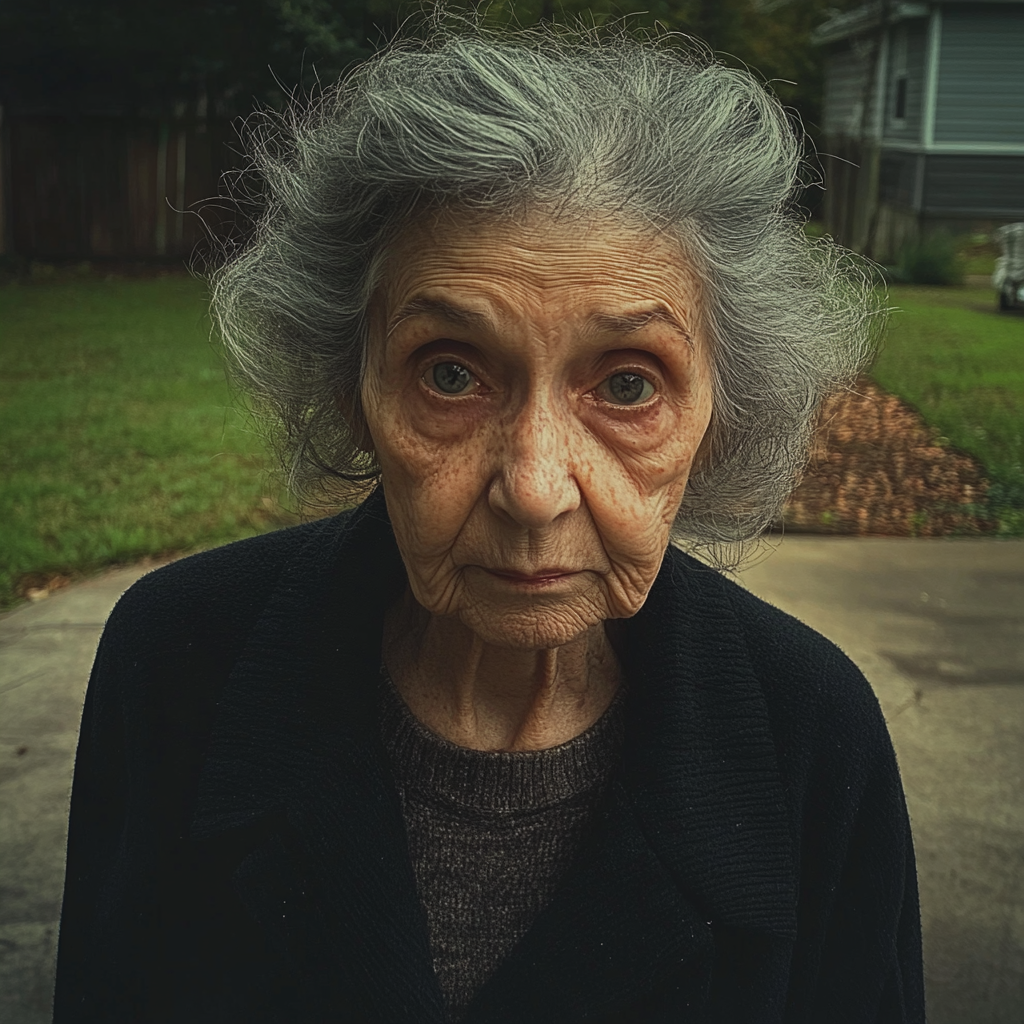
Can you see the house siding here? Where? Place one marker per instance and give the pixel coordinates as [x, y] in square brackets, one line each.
[897, 178]
[981, 75]
[961, 172]
[978, 186]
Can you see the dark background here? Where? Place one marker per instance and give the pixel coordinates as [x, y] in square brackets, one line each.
[120, 117]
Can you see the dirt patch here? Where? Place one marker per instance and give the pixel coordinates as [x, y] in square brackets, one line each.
[37, 586]
[877, 468]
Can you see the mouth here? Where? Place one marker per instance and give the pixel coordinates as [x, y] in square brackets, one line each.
[540, 578]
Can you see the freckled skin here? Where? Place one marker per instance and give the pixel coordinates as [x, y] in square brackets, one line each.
[535, 465]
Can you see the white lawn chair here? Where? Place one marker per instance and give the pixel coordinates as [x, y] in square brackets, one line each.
[1008, 277]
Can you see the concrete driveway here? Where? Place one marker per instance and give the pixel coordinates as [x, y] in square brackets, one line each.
[46, 650]
[936, 625]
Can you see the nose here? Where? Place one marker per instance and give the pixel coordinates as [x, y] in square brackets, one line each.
[535, 483]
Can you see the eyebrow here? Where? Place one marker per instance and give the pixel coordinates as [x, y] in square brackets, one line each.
[443, 310]
[616, 323]
[627, 323]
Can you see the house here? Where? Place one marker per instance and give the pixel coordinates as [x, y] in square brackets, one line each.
[923, 120]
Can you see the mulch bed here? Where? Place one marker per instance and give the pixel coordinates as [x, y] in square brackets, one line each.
[877, 468]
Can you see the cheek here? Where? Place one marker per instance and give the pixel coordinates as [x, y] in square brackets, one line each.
[410, 432]
[633, 483]
[432, 478]
[645, 458]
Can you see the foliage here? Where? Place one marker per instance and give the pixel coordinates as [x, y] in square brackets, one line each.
[118, 436]
[960, 362]
[934, 259]
[180, 55]
[978, 254]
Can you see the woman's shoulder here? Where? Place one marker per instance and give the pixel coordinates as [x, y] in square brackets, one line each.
[776, 639]
[818, 700]
[217, 593]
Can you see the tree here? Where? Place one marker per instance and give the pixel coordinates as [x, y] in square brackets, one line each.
[160, 55]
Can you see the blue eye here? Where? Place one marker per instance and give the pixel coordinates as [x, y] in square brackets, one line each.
[626, 389]
[450, 378]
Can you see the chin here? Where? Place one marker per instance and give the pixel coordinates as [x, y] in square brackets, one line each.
[529, 629]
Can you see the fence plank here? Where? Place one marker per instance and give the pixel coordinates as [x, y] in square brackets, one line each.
[108, 187]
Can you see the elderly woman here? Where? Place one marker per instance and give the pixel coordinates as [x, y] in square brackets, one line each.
[489, 747]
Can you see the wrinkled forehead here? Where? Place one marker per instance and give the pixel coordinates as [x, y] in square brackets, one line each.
[537, 265]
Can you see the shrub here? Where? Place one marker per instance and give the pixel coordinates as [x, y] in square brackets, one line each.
[934, 259]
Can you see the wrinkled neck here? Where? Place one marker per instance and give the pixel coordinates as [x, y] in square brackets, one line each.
[486, 697]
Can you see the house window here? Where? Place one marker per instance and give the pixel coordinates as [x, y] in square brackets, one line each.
[900, 109]
[899, 75]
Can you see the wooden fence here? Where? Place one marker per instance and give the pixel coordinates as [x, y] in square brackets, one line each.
[107, 187]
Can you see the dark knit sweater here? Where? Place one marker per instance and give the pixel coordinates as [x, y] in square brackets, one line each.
[491, 834]
[237, 853]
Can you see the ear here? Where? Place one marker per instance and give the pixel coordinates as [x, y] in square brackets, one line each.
[351, 409]
[702, 457]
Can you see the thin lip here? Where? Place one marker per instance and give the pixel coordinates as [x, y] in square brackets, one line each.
[532, 577]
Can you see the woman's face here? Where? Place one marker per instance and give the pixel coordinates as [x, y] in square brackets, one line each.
[536, 393]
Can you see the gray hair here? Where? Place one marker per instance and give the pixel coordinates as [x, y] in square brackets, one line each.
[654, 132]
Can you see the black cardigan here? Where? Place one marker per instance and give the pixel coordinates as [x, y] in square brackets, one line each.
[237, 852]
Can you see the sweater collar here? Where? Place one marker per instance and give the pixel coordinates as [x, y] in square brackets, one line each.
[697, 816]
[701, 762]
[496, 782]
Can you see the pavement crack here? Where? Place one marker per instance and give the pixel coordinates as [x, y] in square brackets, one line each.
[915, 701]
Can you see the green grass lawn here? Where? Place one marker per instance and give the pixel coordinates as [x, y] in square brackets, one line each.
[119, 438]
[979, 264]
[118, 435]
[960, 363]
